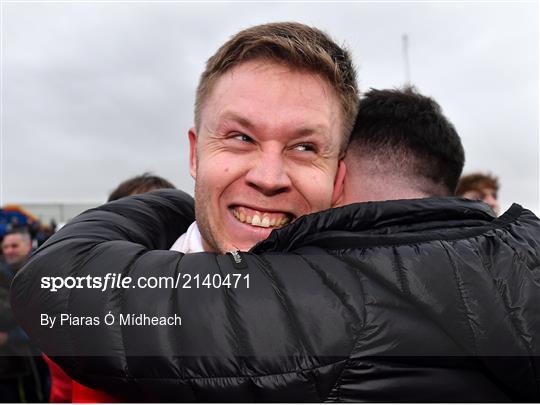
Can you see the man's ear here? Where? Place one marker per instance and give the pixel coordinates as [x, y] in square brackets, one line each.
[192, 134]
[337, 194]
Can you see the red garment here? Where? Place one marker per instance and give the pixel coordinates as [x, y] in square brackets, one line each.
[85, 395]
[64, 389]
[60, 383]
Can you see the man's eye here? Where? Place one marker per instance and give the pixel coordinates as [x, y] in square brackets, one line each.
[305, 147]
[243, 138]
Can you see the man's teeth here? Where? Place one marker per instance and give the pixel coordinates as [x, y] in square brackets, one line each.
[264, 220]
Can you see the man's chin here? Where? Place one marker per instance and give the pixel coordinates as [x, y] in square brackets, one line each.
[236, 247]
[225, 246]
[242, 246]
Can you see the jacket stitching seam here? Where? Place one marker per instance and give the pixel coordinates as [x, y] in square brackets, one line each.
[353, 313]
[506, 305]
[328, 283]
[314, 382]
[284, 302]
[130, 268]
[529, 349]
[398, 268]
[236, 376]
[503, 238]
[410, 299]
[229, 304]
[176, 337]
[349, 361]
[529, 244]
[295, 326]
[461, 296]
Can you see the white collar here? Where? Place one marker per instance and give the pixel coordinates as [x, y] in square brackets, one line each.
[189, 242]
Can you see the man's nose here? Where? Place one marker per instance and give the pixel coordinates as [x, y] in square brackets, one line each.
[268, 174]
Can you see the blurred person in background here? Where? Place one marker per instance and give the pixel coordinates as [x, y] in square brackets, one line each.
[39, 233]
[139, 185]
[16, 247]
[480, 186]
[23, 374]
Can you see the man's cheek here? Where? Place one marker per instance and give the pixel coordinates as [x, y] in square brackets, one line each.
[321, 192]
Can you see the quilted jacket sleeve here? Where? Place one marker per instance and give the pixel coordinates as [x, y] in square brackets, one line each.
[204, 356]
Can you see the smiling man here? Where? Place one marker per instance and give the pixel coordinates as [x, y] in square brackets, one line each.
[274, 110]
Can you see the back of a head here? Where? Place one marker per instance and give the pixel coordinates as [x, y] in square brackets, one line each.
[295, 45]
[139, 185]
[403, 137]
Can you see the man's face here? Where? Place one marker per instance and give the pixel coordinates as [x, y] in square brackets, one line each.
[266, 153]
[15, 248]
[487, 195]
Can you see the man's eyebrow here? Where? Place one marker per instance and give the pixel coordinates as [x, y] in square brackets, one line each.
[316, 130]
[232, 116]
[320, 130]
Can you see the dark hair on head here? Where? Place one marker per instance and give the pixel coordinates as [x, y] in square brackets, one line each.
[401, 125]
[477, 181]
[139, 185]
[19, 230]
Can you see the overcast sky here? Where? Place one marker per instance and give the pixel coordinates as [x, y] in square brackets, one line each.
[94, 93]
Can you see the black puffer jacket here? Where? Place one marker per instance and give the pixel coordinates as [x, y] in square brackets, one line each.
[418, 300]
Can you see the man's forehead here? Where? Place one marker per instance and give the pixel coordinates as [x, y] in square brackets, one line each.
[15, 238]
[483, 188]
[483, 191]
[488, 191]
[249, 77]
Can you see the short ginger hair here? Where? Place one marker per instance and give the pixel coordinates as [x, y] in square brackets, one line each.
[295, 45]
[477, 181]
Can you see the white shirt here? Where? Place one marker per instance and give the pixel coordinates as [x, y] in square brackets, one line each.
[189, 242]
